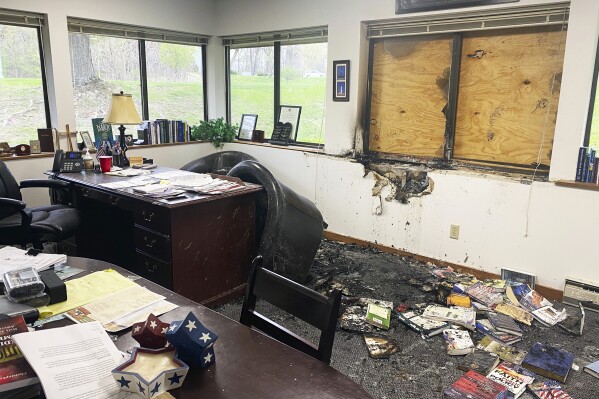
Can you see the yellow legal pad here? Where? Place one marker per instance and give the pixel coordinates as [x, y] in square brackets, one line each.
[87, 289]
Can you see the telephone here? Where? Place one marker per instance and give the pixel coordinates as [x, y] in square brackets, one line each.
[71, 161]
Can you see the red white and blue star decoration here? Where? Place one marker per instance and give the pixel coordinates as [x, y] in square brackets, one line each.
[194, 342]
[151, 372]
[150, 333]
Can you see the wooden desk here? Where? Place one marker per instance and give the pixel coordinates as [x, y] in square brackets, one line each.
[249, 364]
[200, 248]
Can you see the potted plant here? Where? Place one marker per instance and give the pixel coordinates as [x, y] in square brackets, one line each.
[217, 131]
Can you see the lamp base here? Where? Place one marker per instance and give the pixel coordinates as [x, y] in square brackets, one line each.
[122, 161]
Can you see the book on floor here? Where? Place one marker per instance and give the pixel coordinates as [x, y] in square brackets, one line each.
[549, 361]
[515, 312]
[473, 385]
[458, 342]
[15, 371]
[512, 377]
[465, 317]
[484, 326]
[504, 323]
[480, 361]
[380, 347]
[484, 294]
[592, 369]
[378, 316]
[547, 390]
[426, 327]
[504, 352]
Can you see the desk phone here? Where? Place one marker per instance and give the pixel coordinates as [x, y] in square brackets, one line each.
[71, 161]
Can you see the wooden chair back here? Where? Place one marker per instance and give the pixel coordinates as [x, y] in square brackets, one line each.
[297, 300]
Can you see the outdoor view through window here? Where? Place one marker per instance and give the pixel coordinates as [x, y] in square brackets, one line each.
[22, 109]
[303, 83]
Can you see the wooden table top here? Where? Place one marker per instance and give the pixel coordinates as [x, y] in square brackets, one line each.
[248, 364]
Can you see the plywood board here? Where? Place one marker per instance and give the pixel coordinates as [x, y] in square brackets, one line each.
[508, 95]
[409, 83]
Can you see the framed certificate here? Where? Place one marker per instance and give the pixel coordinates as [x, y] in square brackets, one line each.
[247, 126]
[87, 140]
[290, 114]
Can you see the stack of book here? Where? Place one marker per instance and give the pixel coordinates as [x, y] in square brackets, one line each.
[475, 386]
[465, 317]
[487, 328]
[587, 166]
[484, 294]
[426, 327]
[162, 131]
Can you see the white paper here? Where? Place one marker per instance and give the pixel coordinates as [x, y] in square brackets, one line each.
[12, 258]
[73, 362]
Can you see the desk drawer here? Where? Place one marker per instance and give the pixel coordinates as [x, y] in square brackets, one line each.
[155, 244]
[154, 270]
[152, 217]
[106, 198]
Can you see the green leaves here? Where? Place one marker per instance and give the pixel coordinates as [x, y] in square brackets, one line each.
[217, 131]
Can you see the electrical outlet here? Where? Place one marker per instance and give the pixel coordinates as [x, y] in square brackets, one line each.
[454, 231]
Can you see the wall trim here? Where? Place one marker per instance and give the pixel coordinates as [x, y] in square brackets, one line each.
[547, 292]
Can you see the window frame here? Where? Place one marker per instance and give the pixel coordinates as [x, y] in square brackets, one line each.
[591, 111]
[276, 39]
[421, 27]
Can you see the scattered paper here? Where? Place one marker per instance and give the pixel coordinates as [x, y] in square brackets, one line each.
[12, 258]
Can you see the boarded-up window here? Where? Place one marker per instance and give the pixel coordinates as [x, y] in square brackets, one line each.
[507, 87]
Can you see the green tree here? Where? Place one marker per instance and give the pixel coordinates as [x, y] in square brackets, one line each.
[177, 57]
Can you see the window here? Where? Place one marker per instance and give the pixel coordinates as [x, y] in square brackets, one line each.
[592, 133]
[465, 93]
[163, 70]
[279, 68]
[23, 100]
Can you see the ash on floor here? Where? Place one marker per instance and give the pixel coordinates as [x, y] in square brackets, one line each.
[420, 369]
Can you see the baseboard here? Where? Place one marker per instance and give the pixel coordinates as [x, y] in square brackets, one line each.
[547, 292]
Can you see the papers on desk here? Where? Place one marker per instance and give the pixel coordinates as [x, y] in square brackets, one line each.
[73, 362]
[12, 258]
[134, 182]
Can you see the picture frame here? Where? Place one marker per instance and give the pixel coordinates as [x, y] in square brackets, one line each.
[35, 146]
[341, 80]
[87, 140]
[247, 126]
[290, 114]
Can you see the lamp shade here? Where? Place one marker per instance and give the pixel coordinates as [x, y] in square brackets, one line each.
[122, 110]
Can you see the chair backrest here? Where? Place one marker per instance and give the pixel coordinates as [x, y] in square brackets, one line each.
[302, 302]
[9, 188]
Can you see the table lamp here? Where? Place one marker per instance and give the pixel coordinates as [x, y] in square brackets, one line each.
[122, 112]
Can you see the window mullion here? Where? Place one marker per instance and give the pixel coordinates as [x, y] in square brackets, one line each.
[44, 78]
[228, 82]
[143, 75]
[367, 125]
[452, 95]
[205, 83]
[277, 77]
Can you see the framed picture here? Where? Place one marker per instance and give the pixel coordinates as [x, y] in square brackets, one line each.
[35, 146]
[247, 126]
[341, 80]
[87, 140]
[290, 114]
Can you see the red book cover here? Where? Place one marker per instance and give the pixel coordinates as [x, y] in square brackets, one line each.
[15, 372]
[475, 385]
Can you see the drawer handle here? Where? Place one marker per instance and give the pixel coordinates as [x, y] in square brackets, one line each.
[147, 218]
[149, 243]
[114, 200]
[151, 267]
[85, 192]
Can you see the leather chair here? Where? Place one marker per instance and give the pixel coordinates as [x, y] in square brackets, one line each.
[289, 226]
[20, 225]
[219, 163]
[302, 302]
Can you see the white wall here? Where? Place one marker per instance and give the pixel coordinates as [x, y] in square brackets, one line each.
[491, 210]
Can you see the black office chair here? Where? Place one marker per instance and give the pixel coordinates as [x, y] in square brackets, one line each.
[219, 163]
[20, 225]
[302, 302]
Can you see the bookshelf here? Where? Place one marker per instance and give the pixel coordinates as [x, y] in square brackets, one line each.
[577, 184]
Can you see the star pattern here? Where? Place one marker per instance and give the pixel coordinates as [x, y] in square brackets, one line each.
[141, 389]
[205, 337]
[124, 382]
[173, 327]
[164, 330]
[191, 325]
[137, 329]
[153, 324]
[174, 379]
[208, 358]
[155, 390]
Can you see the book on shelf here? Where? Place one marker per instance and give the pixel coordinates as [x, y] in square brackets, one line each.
[504, 323]
[473, 385]
[548, 361]
[582, 154]
[46, 138]
[592, 369]
[591, 162]
[458, 342]
[547, 390]
[102, 132]
[465, 317]
[480, 361]
[515, 312]
[15, 371]
[426, 327]
[487, 328]
[484, 294]
[504, 352]
[513, 377]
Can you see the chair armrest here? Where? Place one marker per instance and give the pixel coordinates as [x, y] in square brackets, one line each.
[12, 203]
[47, 183]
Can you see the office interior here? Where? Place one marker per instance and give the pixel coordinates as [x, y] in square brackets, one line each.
[539, 228]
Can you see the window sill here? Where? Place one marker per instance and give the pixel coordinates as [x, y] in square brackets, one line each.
[14, 157]
[283, 147]
[577, 184]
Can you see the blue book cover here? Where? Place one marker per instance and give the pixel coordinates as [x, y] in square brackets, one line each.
[548, 361]
[180, 131]
[582, 153]
[590, 167]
